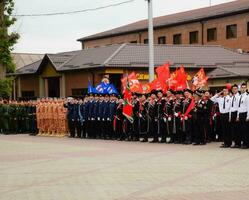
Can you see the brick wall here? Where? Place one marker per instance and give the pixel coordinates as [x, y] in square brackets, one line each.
[241, 42]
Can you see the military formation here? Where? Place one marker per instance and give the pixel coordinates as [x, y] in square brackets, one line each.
[182, 117]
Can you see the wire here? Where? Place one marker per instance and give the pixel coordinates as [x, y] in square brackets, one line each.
[74, 12]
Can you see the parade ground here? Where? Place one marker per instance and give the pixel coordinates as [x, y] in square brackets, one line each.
[45, 168]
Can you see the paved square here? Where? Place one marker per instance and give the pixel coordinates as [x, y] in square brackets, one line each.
[42, 168]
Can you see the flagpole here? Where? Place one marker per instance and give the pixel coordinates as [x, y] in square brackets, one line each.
[151, 41]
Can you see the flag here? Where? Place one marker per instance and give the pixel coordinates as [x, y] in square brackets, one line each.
[181, 79]
[156, 85]
[111, 89]
[90, 88]
[163, 73]
[134, 83]
[145, 88]
[200, 79]
[127, 108]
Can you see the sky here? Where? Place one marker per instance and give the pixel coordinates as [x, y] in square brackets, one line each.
[52, 34]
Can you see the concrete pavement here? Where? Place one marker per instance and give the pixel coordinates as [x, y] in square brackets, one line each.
[43, 168]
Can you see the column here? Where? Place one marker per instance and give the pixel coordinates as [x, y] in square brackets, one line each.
[41, 87]
[19, 93]
[63, 86]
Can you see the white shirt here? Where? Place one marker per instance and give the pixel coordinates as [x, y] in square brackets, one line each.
[223, 102]
[243, 104]
[235, 102]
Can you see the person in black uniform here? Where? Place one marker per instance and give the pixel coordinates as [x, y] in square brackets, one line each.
[101, 117]
[153, 118]
[72, 117]
[105, 117]
[208, 116]
[135, 132]
[161, 123]
[112, 110]
[119, 119]
[169, 115]
[95, 125]
[177, 109]
[91, 120]
[143, 120]
[198, 116]
[186, 121]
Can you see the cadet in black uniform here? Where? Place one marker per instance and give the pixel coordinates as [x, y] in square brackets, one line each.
[143, 120]
[153, 120]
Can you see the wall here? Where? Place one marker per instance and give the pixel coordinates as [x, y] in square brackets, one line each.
[30, 83]
[241, 42]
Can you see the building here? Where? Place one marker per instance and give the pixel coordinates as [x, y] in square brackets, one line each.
[225, 24]
[68, 73]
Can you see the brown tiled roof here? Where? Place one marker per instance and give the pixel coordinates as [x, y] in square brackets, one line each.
[224, 62]
[216, 11]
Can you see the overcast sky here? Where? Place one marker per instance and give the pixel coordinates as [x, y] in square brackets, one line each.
[59, 33]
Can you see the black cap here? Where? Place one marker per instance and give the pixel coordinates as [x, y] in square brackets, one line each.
[153, 92]
[188, 90]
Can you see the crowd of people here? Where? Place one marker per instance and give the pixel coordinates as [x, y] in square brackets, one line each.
[181, 117]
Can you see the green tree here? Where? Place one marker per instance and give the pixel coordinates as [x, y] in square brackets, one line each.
[7, 41]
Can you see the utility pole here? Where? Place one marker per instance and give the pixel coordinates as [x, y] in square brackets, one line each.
[210, 3]
[151, 41]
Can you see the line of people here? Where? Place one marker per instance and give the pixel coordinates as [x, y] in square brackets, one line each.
[182, 117]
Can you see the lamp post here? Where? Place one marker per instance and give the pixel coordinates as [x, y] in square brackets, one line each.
[151, 41]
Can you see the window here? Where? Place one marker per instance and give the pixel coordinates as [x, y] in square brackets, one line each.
[231, 31]
[28, 94]
[211, 34]
[133, 42]
[193, 37]
[177, 39]
[79, 92]
[247, 28]
[146, 41]
[162, 40]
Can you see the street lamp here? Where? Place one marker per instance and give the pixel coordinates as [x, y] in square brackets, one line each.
[151, 41]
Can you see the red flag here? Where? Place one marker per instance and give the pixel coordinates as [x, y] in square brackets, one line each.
[163, 74]
[127, 108]
[181, 79]
[134, 83]
[200, 79]
[156, 85]
[145, 88]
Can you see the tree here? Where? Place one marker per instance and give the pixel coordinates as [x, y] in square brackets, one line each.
[7, 41]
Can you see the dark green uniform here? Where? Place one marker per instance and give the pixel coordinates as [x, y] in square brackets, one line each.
[13, 118]
[1, 118]
[5, 118]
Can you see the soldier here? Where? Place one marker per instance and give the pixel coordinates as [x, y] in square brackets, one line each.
[169, 115]
[177, 109]
[95, 121]
[1, 116]
[161, 124]
[112, 109]
[72, 117]
[224, 102]
[135, 132]
[153, 120]
[118, 121]
[143, 118]
[90, 108]
[207, 116]
[5, 119]
[100, 117]
[186, 120]
[243, 116]
[198, 116]
[82, 117]
[13, 118]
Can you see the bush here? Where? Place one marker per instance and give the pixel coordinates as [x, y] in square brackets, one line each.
[5, 88]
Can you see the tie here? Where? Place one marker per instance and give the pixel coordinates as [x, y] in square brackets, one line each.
[224, 104]
[240, 100]
[233, 100]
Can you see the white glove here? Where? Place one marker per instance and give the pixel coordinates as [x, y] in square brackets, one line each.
[169, 119]
[164, 119]
[98, 118]
[103, 119]
[186, 118]
[92, 119]
[108, 119]
[176, 114]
